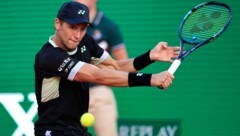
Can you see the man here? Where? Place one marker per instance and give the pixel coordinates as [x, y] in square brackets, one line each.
[71, 59]
[102, 101]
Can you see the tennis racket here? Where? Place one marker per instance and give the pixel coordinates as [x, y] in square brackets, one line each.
[201, 25]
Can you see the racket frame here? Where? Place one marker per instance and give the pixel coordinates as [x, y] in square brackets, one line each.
[197, 45]
[182, 55]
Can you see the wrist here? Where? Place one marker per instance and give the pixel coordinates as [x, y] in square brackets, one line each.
[142, 61]
[139, 79]
[154, 80]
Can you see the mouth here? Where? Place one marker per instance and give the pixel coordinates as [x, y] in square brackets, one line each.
[75, 41]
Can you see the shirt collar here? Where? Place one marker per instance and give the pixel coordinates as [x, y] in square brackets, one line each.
[56, 46]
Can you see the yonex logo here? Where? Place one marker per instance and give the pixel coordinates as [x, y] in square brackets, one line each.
[83, 49]
[81, 12]
[139, 74]
[205, 22]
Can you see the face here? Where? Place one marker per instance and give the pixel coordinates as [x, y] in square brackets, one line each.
[69, 36]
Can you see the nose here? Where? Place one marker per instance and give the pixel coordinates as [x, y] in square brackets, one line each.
[78, 34]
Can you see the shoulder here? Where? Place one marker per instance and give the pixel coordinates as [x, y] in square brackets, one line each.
[87, 40]
[87, 37]
[48, 49]
[50, 54]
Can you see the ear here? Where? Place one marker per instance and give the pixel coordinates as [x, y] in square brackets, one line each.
[57, 23]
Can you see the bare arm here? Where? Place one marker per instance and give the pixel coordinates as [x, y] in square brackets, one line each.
[104, 76]
[161, 52]
[120, 61]
[122, 65]
[91, 73]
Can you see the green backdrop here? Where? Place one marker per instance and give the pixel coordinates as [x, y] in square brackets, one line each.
[204, 98]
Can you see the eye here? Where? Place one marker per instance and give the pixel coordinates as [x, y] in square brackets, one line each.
[74, 27]
[83, 28]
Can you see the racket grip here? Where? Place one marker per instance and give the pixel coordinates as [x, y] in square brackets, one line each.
[176, 63]
[174, 66]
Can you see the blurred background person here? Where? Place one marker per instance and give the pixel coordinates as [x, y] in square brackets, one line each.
[102, 101]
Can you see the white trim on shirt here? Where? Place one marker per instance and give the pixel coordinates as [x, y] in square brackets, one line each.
[97, 61]
[74, 70]
[56, 46]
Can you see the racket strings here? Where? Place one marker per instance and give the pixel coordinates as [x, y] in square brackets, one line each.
[204, 23]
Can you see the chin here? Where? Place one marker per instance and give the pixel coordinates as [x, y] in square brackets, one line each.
[72, 49]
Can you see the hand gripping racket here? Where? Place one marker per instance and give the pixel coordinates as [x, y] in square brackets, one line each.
[201, 25]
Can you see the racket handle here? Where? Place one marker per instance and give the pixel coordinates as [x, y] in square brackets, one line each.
[174, 66]
[176, 63]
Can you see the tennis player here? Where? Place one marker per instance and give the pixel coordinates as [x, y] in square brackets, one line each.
[70, 59]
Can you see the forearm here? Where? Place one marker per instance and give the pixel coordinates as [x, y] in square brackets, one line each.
[121, 65]
[161, 52]
[122, 79]
[126, 65]
[129, 65]
[138, 63]
[91, 73]
[109, 77]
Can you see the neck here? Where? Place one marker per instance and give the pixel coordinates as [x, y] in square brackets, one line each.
[57, 42]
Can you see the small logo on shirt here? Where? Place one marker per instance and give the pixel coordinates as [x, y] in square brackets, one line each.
[139, 74]
[83, 49]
